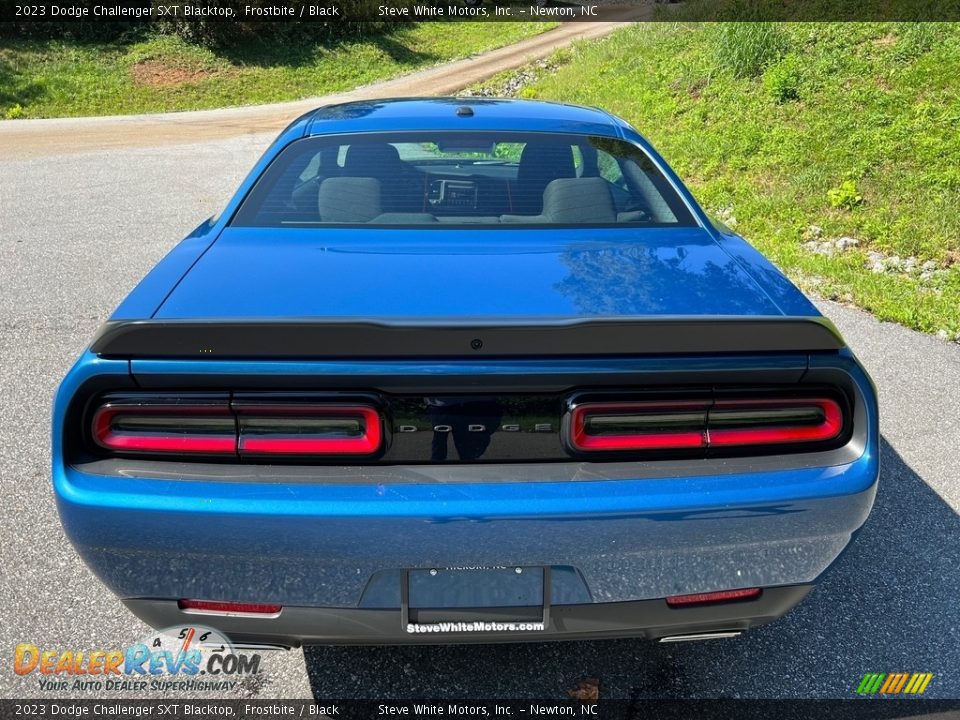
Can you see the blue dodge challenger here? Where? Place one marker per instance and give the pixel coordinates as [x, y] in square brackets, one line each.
[463, 370]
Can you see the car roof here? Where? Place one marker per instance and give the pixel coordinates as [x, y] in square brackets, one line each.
[444, 113]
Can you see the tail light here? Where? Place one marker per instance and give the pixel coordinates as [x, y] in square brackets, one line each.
[713, 598]
[639, 426]
[623, 426]
[196, 428]
[296, 429]
[768, 422]
[215, 426]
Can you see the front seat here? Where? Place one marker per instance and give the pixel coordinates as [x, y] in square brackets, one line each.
[401, 185]
[540, 164]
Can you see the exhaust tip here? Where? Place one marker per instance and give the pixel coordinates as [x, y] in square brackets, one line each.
[261, 647]
[701, 636]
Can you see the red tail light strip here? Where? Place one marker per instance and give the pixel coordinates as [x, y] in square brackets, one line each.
[653, 441]
[170, 444]
[616, 426]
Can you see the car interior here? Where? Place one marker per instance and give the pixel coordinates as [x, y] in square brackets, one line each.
[569, 180]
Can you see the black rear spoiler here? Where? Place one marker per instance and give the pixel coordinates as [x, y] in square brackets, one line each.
[249, 339]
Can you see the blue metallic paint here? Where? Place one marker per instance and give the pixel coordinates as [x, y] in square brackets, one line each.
[534, 273]
[158, 283]
[440, 114]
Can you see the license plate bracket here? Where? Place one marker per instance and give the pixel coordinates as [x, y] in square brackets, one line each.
[495, 594]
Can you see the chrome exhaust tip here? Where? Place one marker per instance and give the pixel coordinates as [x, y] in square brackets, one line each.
[701, 636]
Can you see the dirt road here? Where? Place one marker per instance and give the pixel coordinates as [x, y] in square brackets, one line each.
[24, 139]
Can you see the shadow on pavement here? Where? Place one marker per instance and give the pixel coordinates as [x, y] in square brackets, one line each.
[889, 604]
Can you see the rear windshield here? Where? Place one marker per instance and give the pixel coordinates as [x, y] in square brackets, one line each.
[441, 179]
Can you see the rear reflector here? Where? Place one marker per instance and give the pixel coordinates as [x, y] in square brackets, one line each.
[713, 598]
[297, 429]
[216, 607]
[203, 428]
[689, 424]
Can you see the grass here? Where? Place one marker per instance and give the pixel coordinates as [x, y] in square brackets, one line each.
[165, 73]
[852, 127]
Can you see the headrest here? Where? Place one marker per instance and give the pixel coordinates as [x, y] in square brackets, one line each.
[361, 159]
[578, 200]
[545, 161]
[349, 199]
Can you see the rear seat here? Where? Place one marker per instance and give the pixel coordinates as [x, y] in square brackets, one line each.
[571, 201]
[566, 201]
[349, 200]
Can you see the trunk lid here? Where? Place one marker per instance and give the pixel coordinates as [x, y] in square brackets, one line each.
[406, 274]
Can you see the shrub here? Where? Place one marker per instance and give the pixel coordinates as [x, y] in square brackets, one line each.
[846, 196]
[783, 80]
[746, 49]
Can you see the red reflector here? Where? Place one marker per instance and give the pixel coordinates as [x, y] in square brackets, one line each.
[216, 607]
[710, 598]
[309, 429]
[769, 422]
[638, 426]
[165, 428]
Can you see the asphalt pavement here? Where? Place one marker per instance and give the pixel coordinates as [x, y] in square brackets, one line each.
[78, 231]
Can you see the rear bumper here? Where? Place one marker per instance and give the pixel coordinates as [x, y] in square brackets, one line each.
[329, 545]
[651, 619]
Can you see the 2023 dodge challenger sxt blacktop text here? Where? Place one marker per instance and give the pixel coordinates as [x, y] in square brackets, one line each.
[459, 370]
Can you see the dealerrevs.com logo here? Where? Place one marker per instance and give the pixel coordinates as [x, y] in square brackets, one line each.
[192, 658]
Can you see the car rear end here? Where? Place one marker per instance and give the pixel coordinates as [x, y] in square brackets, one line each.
[464, 414]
